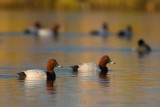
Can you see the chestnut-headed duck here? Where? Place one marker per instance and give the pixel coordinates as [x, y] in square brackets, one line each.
[102, 32]
[40, 74]
[101, 68]
[33, 30]
[126, 32]
[143, 47]
[53, 32]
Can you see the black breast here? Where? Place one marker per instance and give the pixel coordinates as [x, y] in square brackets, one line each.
[51, 76]
[121, 33]
[22, 75]
[104, 70]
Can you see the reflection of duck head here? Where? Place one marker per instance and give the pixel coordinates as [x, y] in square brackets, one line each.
[102, 76]
[50, 87]
[49, 83]
[104, 80]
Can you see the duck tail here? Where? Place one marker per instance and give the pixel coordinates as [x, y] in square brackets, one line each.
[22, 75]
[75, 67]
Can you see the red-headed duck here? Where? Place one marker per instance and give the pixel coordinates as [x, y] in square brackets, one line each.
[40, 74]
[53, 32]
[126, 32]
[101, 68]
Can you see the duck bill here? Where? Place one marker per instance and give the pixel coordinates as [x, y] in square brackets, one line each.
[111, 62]
[59, 66]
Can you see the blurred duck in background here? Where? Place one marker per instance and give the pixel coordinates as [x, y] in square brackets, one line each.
[37, 30]
[53, 32]
[143, 48]
[33, 30]
[101, 32]
[125, 33]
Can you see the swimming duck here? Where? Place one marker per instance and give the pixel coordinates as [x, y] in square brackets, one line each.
[143, 47]
[102, 32]
[40, 74]
[101, 68]
[126, 32]
[33, 30]
[53, 32]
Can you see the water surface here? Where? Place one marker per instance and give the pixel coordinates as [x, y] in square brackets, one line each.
[132, 80]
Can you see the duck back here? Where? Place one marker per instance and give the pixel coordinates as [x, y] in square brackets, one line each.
[35, 73]
[89, 67]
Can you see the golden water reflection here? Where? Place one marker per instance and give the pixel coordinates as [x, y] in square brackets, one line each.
[132, 80]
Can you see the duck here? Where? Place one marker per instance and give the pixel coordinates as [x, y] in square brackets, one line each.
[92, 68]
[33, 30]
[143, 47]
[125, 32]
[102, 32]
[53, 32]
[40, 74]
[36, 30]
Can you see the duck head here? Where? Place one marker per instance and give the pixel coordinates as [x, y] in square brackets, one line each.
[129, 28]
[105, 26]
[141, 42]
[55, 29]
[104, 61]
[37, 25]
[51, 64]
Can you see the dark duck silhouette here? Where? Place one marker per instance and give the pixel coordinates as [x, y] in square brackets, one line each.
[33, 30]
[102, 32]
[126, 33]
[143, 48]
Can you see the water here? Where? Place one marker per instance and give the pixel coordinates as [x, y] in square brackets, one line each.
[132, 80]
